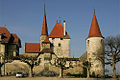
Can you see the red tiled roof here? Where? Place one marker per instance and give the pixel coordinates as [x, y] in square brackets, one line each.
[94, 29]
[5, 33]
[32, 47]
[44, 27]
[46, 40]
[58, 32]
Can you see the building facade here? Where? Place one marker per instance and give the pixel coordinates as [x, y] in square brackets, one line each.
[9, 43]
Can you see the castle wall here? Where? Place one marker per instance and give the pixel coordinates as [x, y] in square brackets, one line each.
[61, 47]
[14, 67]
[31, 54]
[95, 54]
[45, 45]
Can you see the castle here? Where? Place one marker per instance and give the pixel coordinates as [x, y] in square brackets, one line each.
[57, 45]
[58, 42]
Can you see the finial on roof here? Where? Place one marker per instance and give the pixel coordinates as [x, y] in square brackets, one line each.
[5, 25]
[94, 11]
[44, 10]
[57, 21]
[60, 19]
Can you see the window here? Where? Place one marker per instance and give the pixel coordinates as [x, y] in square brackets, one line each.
[53, 38]
[101, 41]
[52, 46]
[59, 45]
[88, 41]
[61, 38]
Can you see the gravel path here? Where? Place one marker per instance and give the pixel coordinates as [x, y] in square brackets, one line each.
[46, 78]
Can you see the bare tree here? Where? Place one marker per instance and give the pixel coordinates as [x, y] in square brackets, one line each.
[87, 65]
[112, 52]
[31, 61]
[5, 60]
[61, 63]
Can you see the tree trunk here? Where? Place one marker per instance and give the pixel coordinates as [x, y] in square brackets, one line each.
[61, 73]
[0, 69]
[88, 74]
[30, 71]
[114, 70]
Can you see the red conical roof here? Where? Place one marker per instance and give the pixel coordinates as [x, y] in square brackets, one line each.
[94, 29]
[44, 25]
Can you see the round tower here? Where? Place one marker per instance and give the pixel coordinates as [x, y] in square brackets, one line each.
[95, 49]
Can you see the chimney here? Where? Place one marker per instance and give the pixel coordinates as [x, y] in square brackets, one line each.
[64, 22]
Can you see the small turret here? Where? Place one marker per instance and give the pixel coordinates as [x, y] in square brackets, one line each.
[44, 32]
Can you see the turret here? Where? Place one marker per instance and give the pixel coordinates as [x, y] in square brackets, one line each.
[95, 48]
[44, 32]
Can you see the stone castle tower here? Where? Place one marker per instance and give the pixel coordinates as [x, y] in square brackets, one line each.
[44, 42]
[95, 48]
[58, 40]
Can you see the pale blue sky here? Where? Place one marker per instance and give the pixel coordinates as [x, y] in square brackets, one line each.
[25, 17]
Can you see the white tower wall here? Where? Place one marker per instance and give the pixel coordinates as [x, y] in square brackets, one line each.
[61, 47]
[95, 54]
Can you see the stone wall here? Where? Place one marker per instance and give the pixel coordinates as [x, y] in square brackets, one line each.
[42, 38]
[31, 54]
[14, 67]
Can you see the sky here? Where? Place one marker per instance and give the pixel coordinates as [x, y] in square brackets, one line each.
[25, 18]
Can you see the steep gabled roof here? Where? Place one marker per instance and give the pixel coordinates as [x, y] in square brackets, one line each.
[58, 32]
[94, 29]
[32, 47]
[15, 39]
[5, 33]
